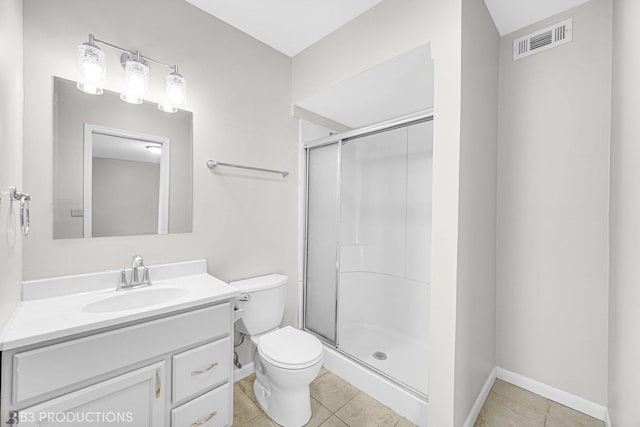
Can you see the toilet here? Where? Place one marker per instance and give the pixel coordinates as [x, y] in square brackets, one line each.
[286, 359]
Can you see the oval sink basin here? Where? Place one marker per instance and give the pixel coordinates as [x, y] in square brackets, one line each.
[129, 300]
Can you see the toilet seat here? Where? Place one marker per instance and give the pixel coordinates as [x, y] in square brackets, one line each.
[290, 348]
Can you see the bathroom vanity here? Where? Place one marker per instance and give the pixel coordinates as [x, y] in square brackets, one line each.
[157, 356]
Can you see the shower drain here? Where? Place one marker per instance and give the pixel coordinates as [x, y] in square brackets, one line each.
[380, 355]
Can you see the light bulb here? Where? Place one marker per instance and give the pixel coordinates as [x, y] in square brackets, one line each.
[92, 71]
[91, 68]
[154, 149]
[136, 84]
[176, 88]
[136, 81]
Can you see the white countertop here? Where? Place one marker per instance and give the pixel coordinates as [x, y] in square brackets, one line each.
[44, 319]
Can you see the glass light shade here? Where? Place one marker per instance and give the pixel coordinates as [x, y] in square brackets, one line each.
[136, 81]
[92, 69]
[176, 89]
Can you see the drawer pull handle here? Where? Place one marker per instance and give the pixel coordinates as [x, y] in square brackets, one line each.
[209, 418]
[158, 384]
[204, 371]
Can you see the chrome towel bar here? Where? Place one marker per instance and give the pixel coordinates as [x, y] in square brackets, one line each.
[212, 164]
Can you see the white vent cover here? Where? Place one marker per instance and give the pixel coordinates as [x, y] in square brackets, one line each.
[545, 39]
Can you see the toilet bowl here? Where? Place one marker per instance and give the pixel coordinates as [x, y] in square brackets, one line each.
[286, 359]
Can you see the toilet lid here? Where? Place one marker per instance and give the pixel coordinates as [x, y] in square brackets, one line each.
[290, 347]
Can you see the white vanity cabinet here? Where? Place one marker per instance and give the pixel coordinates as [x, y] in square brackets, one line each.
[134, 398]
[174, 370]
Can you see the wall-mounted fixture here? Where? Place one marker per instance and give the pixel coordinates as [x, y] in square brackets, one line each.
[24, 199]
[212, 164]
[154, 149]
[92, 69]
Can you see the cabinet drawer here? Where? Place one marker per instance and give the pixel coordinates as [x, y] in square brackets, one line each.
[201, 368]
[209, 410]
[82, 361]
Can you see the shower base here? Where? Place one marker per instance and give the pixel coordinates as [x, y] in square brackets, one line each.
[406, 359]
[389, 393]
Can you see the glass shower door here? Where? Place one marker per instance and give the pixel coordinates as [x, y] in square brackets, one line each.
[368, 249]
[321, 240]
[385, 251]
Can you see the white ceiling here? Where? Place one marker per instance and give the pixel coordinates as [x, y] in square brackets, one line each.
[120, 148]
[291, 26]
[400, 86]
[512, 15]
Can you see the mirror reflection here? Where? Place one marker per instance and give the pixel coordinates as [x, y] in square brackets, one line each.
[119, 169]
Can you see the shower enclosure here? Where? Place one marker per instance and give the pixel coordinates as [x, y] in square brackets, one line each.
[368, 247]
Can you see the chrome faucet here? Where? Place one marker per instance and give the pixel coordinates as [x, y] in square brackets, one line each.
[137, 265]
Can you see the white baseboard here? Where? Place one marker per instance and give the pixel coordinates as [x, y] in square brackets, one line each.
[484, 393]
[246, 370]
[567, 399]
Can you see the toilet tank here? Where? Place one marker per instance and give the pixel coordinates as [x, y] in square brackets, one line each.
[263, 300]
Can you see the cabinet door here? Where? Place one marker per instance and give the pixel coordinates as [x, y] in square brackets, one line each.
[133, 399]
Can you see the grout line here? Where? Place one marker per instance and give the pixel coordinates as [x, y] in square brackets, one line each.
[340, 419]
[318, 402]
[327, 420]
[346, 403]
[260, 411]
[239, 389]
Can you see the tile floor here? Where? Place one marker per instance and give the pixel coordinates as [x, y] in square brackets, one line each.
[334, 403]
[511, 406]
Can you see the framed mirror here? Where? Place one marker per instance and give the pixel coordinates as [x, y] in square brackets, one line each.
[119, 169]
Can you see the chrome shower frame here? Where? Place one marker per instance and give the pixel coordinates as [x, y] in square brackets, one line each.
[341, 139]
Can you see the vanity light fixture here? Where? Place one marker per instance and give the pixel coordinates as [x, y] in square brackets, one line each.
[176, 92]
[92, 72]
[136, 79]
[91, 67]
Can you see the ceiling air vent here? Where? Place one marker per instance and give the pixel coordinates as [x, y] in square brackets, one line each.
[545, 39]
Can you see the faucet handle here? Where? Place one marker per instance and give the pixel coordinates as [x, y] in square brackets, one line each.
[145, 276]
[122, 279]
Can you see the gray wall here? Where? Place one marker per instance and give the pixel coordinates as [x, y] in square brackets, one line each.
[73, 109]
[11, 99]
[552, 211]
[239, 93]
[476, 297]
[125, 197]
[624, 345]
[383, 32]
